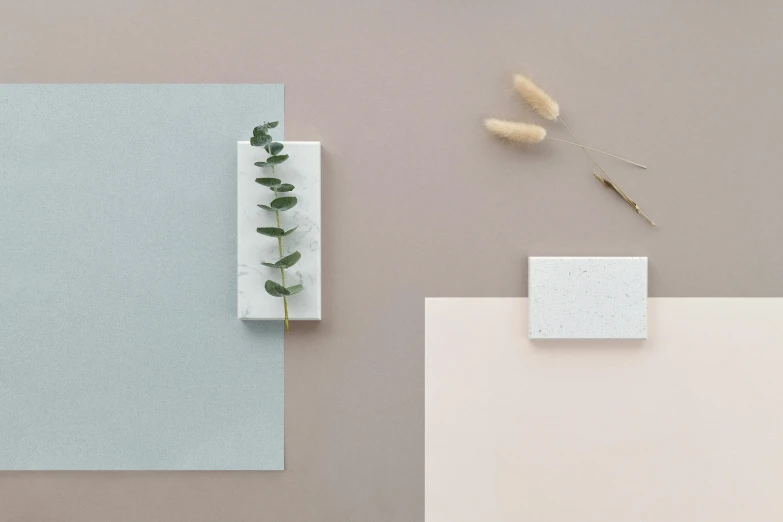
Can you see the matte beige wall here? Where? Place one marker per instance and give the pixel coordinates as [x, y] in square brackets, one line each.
[685, 426]
[419, 202]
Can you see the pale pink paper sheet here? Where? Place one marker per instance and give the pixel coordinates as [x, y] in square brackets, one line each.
[685, 426]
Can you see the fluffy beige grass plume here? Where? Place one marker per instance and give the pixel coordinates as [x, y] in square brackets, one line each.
[514, 131]
[537, 99]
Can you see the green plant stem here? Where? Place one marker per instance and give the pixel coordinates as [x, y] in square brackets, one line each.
[280, 247]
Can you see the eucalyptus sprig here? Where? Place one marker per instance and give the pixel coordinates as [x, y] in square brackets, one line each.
[261, 138]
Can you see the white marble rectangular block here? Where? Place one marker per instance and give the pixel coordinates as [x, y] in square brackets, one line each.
[587, 297]
[303, 170]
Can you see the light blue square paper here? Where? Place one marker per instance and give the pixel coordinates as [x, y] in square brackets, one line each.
[119, 343]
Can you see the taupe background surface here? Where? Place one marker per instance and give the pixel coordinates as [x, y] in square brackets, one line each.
[418, 201]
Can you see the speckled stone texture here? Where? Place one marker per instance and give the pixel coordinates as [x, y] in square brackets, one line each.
[587, 297]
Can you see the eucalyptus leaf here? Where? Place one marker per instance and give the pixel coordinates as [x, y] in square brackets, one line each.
[283, 203]
[274, 148]
[272, 231]
[275, 289]
[260, 130]
[272, 124]
[284, 187]
[261, 140]
[286, 262]
[289, 260]
[289, 232]
[268, 182]
[265, 207]
[294, 289]
[260, 163]
[276, 160]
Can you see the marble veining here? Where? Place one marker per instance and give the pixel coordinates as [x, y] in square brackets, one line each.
[303, 170]
[587, 297]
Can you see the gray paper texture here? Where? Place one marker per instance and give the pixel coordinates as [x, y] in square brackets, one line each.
[119, 343]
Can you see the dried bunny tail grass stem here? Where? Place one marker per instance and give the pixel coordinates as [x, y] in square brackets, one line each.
[611, 184]
[548, 108]
[514, 131]
[607, 180]
[537, 99]
[599, 151]
[529, 133]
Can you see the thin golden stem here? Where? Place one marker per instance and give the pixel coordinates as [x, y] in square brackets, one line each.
[632, 203]
[597, 150]
[607, 180]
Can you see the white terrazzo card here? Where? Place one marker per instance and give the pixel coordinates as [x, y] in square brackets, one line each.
[587, 297]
